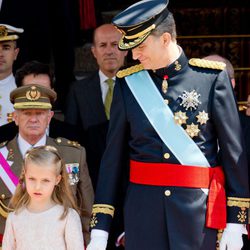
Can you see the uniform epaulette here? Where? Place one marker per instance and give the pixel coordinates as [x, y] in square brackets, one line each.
[202, 63]
[2, 144]
[65, 142]
[129, 71]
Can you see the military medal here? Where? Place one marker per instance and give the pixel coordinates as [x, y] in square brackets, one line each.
[164, 85]
[73, 171]
[190, 100]
[180, 117]
[192, 130]
[202, 117]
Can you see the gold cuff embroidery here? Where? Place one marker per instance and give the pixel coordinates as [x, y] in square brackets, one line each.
[242, 215]
[103, 209]
[93, 221]
[238, 202]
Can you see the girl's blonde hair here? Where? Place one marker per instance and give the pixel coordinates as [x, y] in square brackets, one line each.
[62, 194]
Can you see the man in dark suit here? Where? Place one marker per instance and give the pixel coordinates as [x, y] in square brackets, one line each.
[86, 100]
[89, 99]
[39, 73]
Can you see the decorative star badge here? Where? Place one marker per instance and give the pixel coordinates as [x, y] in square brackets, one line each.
[180, 117]
[192, 130]
[190, 100]
[202, 117]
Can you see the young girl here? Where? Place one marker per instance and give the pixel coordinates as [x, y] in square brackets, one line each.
[44, 214]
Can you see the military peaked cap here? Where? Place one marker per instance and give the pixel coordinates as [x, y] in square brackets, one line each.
[137, 21]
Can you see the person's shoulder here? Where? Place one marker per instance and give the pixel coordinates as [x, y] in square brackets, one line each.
[3, 144]
[206, 64]
[73, 213]
[129, 71]
[85, 79]
[63, 142]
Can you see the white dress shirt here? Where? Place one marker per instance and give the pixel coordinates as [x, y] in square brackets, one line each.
[24, 146]
[104, 85]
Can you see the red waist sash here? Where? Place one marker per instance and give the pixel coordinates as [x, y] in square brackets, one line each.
[165, 174]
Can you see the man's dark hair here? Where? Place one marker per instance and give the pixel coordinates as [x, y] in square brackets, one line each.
[167, 25]
[33, 68]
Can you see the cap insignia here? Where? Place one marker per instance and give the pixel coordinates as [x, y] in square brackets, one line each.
[202, 63]
[3, 31]
[33, 94]
[129, 71]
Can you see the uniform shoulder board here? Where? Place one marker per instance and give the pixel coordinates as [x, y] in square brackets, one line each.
[202, 63]
[65, 142]
[129, 71]
[3, 144]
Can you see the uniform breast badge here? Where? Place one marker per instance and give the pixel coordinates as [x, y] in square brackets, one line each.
[190, 100]
[202, 117]
[164, 85]
[180, 117]
[73, 172]
[192, 130]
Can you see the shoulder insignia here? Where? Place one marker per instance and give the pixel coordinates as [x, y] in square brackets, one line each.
[2, 144]
[202, 63]
[129, 71]
[65, 142]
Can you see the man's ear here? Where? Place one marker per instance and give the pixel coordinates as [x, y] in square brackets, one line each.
[166, 37]
[16, 52]
[14, 117]
[93, 51]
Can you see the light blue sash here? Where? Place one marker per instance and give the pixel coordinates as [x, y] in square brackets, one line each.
[162, 119]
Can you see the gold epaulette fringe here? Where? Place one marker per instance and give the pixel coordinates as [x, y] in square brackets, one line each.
[129, 71]
[202, 63]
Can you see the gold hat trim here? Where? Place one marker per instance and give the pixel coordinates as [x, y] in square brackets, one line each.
[9, 38]
[139, 34]
[32, 105]
[129, 45]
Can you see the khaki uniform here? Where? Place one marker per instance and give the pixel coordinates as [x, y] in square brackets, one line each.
[71, 152]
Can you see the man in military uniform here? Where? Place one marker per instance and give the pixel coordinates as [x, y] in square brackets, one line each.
[188, 170]
[8, 54]
[32, 104]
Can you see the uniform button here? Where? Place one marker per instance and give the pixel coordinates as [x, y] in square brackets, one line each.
[2, 196]
[167, 193]
[166, 155]
[166, 101]
[59, 140]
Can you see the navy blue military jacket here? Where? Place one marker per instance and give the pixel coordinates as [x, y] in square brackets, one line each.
[131, 136]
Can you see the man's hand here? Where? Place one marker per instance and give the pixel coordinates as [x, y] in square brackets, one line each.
[232, 237]
[98, 240]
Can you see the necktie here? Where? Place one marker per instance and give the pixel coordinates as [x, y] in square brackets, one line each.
[109, 96]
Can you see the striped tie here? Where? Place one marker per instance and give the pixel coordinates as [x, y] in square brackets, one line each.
[109, 96]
